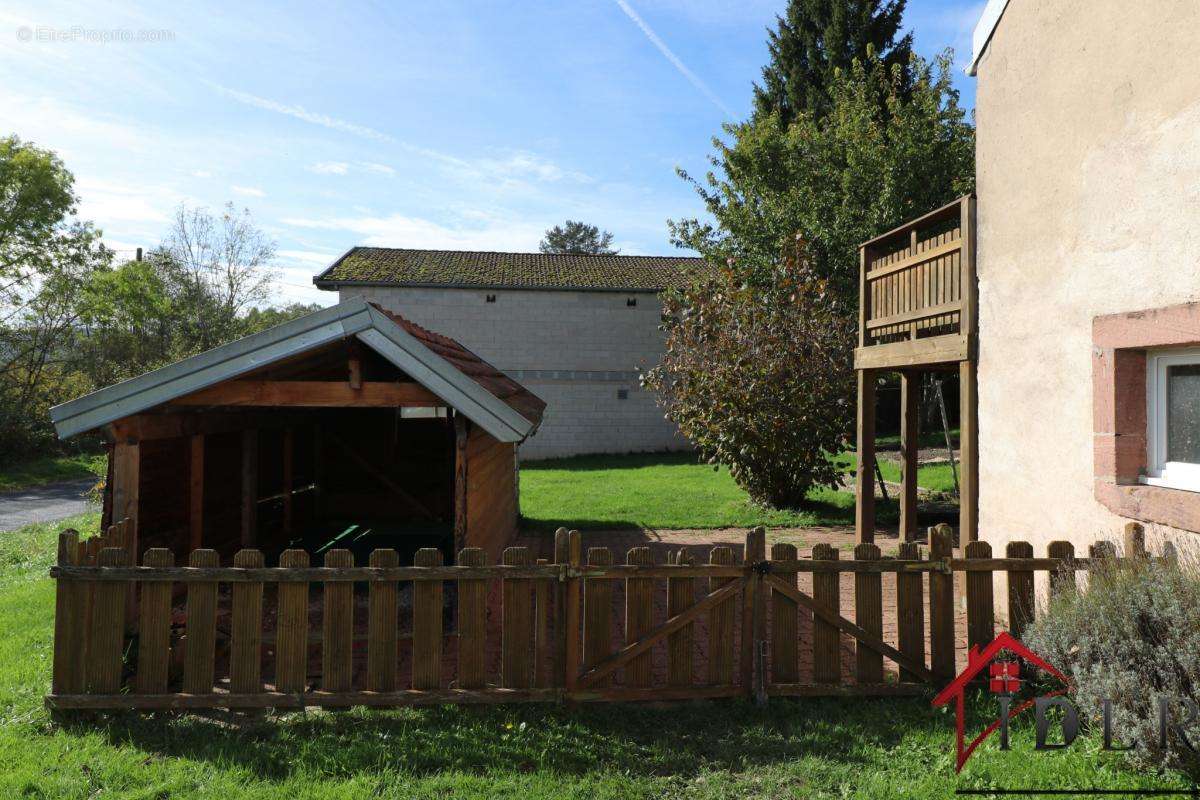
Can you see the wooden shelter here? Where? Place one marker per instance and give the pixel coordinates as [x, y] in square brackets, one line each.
[917, 312]
[350, 427]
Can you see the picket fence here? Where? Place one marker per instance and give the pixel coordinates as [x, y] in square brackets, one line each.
[161, 636]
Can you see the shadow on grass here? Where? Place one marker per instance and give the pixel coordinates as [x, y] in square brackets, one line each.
[680, 739]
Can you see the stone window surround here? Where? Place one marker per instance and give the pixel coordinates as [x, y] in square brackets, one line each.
[1120, 343]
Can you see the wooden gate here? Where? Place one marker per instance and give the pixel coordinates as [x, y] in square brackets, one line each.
[572, 629]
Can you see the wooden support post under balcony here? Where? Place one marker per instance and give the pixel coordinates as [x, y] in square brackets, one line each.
[864, 516]
[968, 432]
[910, 388]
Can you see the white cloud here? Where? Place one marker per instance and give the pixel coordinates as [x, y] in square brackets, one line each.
[399, 230]
[330, 168]
[302, 113]
[523, 164]
[201, 173]
[248, 191]
[307, 256]
[378, 169]
[105, 202]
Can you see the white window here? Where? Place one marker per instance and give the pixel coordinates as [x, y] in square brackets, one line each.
[1173, 414]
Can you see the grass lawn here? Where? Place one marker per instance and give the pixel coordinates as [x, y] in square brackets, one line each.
[793, 748]
[51, 469]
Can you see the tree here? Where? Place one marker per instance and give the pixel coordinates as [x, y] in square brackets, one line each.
[759, 377]
[577, 237]
[35, 197]
[816, 38]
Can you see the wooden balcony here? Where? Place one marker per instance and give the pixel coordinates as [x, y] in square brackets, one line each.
[917, 292]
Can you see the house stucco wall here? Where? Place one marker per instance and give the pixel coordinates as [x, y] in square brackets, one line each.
[575, 350]
[1088, 165]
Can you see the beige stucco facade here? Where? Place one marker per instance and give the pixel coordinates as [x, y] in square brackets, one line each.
[1088, 163]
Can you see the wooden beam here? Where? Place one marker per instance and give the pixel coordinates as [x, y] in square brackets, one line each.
[196, 493]
[461, 429]
[311, 394]
[915, 315]
[968, 443]
[948, 349]
[289, 456]
[864, 504]
[354, 366]
[250, 488]
[126, 475]
[380, 476]
[916, 258]
[910, 387]
[190, 422]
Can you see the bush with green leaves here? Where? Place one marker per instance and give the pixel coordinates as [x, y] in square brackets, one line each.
[1132, 637]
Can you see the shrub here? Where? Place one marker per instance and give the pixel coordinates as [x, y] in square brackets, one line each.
[1132, 636]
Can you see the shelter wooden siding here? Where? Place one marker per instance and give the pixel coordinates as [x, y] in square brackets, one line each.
[491, 493]
[391, 635]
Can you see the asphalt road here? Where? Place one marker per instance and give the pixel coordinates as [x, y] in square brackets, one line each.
[44, 503]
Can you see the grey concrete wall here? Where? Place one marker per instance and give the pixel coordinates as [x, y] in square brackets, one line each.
[575, 350]
[1088, 163]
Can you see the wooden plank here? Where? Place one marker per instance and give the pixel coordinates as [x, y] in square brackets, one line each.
[354, 366]
[472, 622]
[868, 613]
[70, 598]
[201, 642]
[183, 423]
[941, 606]
[681, 595]
[981, 613]
[1062, 580]
[289, 458]
[196, 493]
[543, 644]
[353, 574]
[720, 624]
[597, 612]
[755, 552]
[460, 481]
[1020, 590]
[154, 627]
[910, 612]
[969, 290]
[517, 634]
[1135, 540]
[312, 394]
[918, 257]
[249, 488]
[864, 481]
[337, 627]
[910, 391]
[382, 626]
[928, 312]
[948, 349]
[826, 640]
[107, 637]
[847, 690]
[427, 625]
[291, 639]
[639, 617]
[573, 551]
[127, 461]
[409, 697]
[245, 648]
[968, 463]
[785, 630]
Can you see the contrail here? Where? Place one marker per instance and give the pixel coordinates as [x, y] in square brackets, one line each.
[674, 59]
[300, 112]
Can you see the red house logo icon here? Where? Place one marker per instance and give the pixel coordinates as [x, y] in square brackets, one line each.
[1004, 678]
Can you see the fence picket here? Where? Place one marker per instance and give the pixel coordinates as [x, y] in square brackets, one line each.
[868, 614]
[681, 595]
[597, 613]
[517, 637]
[827, 657]
[427, 624]
[1020, 590]
[910, 611]
[154, 627]
[543, 646]
[639, 617]
[108, 627]
[382, 622]
[753, 615]
[1062, 580]
[785, 631]
[201, 641]
[720, 624]
[472, 623]
[981, 614]
[245, 649]
[291, 628]
[69, 617]
[941, 605]
[337, 627]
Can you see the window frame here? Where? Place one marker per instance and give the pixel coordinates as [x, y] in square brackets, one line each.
[1159, 471]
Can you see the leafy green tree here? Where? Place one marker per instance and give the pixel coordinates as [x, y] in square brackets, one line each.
[577, 237]
[813, 40]
[35, 197]
[260, 319]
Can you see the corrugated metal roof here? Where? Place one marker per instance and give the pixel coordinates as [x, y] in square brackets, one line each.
[467, 383]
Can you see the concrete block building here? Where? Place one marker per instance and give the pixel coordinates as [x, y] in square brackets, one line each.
[575, 329]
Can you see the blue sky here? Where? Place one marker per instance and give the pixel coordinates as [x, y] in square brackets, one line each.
[470, 125]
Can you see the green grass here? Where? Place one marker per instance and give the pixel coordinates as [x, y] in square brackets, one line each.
[793, 748]
[935, 438]
[51, 469]
[657, 491]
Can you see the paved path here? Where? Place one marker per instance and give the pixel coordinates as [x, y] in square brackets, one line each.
[44, 503]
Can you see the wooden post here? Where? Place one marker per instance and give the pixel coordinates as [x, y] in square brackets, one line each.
[472, 623]
[517, 623]
[868, 614]
[154, 627]
[127, 468]
[460, 481]
[1135, 540]
[245, 647]
[1062, 580]
[382, 650]
[720, 624]
[864, 516]
[681, 595]
[981, 614]
[639, 617]
[910, 389]
[597, 613]
[826, 640]
[289, 455]
[108, 627]
[354, 365]
[562, 557]
[785, 632]
[968, 443]
[69, 621]
[941, 605]
[543, 655]
[427, 624]
[249, 487]
[201, 627]
[337, 627]
[755, 552]
[1020, 590]
[910, 611]
[291, 628]
[574, 553]
[196, 493]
